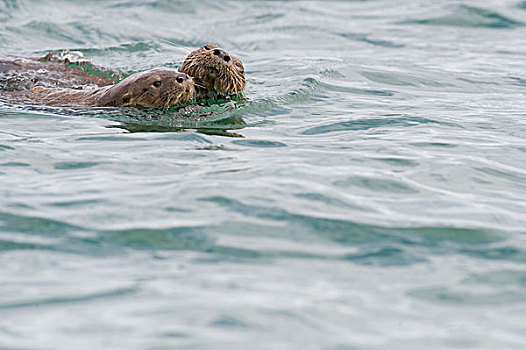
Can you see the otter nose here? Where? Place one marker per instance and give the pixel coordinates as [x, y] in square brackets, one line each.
[181, 78]
[222, 54]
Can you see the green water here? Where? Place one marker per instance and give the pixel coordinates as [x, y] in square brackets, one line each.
[368, 193]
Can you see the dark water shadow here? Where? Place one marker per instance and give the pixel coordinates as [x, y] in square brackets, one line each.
[211, 118]
[216, 128]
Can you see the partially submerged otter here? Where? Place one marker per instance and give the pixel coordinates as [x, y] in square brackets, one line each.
[216, 74]
[215, 71]
[25, 73]
[159, 87]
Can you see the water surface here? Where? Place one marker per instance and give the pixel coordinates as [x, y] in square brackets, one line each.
[369, 193]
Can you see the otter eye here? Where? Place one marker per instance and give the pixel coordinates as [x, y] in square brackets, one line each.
[180, 80]
[157, 83]
[125, 99]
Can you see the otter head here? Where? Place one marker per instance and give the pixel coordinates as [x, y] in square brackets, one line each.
[159, 87]
[215, 71]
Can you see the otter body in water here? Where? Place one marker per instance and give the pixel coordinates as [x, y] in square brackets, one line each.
[215, 71]
[159, 87]
[25, 73]
[216, 74]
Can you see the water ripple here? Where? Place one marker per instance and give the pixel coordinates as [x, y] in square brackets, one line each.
[372, 174]
[52, 302]
[366, 124]
[471, 16]
[347, 232]
[166, 239]
[365, 38]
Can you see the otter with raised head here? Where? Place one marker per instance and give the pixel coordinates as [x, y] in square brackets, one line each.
[159, 87]
[216, 73]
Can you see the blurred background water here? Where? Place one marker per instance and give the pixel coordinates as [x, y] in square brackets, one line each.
[375, 197]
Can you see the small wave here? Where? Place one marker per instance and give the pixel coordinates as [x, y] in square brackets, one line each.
[34, 225]
[460, 297]
[516, 176]
[308, 88]
[140, 46]
[94, 241]
[77, 203]
[52, 30]
[259, 20]
[396, 79]
[11, 245]
[115, 293]
[16, 164]
[259, 143]
[518, 81]
[404, 162]
[371, 240]
[229, 322]
[74, 165]
[375, 184]
[5, 148]
[470, 16]
[177, 238]
[494, 288]
[501, 253]
[367, 123]
[277, 104]
[166, 6]
[366, 39]
[388, 256]
[353, 90]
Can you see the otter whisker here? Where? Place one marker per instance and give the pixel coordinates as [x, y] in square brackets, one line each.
[201, 86]
[176, 45]
[167, 104]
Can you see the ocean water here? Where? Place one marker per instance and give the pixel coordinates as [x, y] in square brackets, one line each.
[368, 193]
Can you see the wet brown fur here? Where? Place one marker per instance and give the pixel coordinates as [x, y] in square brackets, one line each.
[30, 71]
[213, 75]
[174, 88]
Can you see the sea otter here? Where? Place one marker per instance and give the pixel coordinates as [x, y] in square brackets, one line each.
[25, 73]
[215, 71]
[159, 87]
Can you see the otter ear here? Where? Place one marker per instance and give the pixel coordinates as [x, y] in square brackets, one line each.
[209, 47]
[239, 66]
[126, 98]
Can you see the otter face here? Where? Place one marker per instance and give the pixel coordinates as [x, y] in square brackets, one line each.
[159, 87]
[215, 70]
